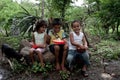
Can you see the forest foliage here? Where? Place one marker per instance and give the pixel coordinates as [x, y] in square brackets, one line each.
[99, 18]
[100, 22]
[101, 15]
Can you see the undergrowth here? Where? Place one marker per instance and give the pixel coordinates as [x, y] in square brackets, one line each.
[108, 49]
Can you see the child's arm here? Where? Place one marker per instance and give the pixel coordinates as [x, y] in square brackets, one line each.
[33, 40]
[33, 45]
[49, 36]
[64, 36]
[85, 42]
[45, 40]
[48, 39]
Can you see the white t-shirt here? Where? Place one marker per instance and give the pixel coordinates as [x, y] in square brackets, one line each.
[39, 38]
[77, 39]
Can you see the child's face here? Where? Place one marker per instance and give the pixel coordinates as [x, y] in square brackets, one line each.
[56, 28]
[42, 29]
[76, 27]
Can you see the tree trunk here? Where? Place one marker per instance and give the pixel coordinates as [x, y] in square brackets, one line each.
[113, 28]
[118, 27]
[98, 5]
[42, 9]
[6, 32]
[86, 38]
[118, 37]
[63, 10]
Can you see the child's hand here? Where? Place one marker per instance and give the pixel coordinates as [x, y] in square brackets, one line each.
[64, 40]
[86, 47]
[31, 43]
[82, 47]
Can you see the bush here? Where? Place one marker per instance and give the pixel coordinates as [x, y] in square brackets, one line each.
[37, 67]
[12, 41]
[64, 75]
[109, 49]
[18, 67]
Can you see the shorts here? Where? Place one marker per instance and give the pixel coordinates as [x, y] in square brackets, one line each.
[51, 47]
[41, 50]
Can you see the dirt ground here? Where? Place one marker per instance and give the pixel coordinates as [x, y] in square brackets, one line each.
[98, 70]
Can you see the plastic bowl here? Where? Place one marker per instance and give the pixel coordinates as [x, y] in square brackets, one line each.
[58, 41]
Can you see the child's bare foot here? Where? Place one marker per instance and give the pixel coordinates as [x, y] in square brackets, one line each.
[57, 66]
[63, 68]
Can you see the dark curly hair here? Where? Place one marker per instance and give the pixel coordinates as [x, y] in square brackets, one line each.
[39, 24]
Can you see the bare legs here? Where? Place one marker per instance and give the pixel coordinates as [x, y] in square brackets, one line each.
[64, 57]
[84, 68]
[39, 55]
[31, 55]
[57, 48]
[41, 58]
[58, 65]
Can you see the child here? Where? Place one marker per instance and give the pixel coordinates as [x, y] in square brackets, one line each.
[39, 41]
[77, 39]
[59, 50]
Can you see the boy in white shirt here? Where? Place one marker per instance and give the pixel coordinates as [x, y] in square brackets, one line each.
[77, 40]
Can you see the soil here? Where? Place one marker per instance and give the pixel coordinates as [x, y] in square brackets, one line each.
[98, 70]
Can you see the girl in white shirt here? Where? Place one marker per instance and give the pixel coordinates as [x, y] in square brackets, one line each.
[39, 41]
[77, 39]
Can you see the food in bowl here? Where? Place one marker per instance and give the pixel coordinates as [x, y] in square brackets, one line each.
[58, 41]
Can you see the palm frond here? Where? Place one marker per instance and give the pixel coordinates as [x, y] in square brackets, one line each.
[25, 10]
[26, 22]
